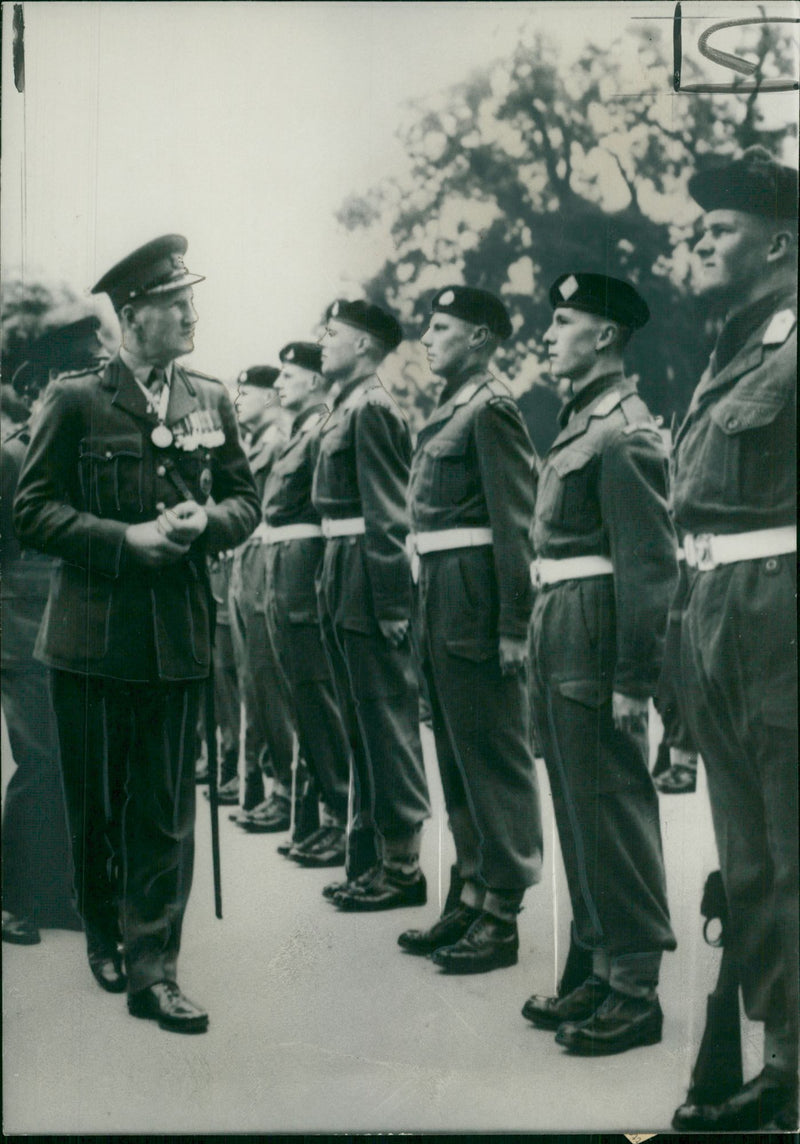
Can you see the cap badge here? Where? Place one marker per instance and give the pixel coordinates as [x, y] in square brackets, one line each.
[290, 355]
[447, 299]
[334, 309]
[568, 287]
[206, 482]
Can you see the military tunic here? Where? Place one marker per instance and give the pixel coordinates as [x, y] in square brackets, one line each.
[362, 471]
[735, 471]
[129, 645]
[603, 492]
[474, 467]
[292, 615]
[263, 685]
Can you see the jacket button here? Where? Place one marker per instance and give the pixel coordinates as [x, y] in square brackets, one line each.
[732, 423]
[161, 471]
[771, 565]
[109, 454]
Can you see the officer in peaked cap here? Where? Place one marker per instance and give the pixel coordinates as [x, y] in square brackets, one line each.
[605, 569]
[268, 724]
[471, 500]
[735, 506]
[359, 491]
[294, 545]
[134, 473]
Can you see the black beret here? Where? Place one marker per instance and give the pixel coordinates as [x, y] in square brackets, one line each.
[754, 184]
[153, 268]
[308, 355]
[259, 376]
[64, 346]
[476, 306]
[599, 294]
[366, 316]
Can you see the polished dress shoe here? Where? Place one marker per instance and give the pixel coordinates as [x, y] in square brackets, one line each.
[19, 930]
[272, 817]
[387, 891]
[619, 1024]
[550, 1012]
[330, 850]
[333, 888]
[770, 1098]
[228, 793]
[449, 929]
[164, 1002]
[106, 967]
[489, 943]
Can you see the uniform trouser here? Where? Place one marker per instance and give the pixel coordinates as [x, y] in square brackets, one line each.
[378, 697]
[37, 874]
[605, 806]
[323, 742]
[482, 729]
[127, 754]
[227, 705]
[740, 676]
[268, 722]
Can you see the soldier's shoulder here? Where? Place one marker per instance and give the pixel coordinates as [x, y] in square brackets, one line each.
[780, 326]
[635, 427]
[378, 396]
[206, 382]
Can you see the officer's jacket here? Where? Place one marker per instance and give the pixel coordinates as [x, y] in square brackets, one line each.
[475, 467]
[603, 491]
[92, 470]
[736, 452]
[293, 564]
[362, 470]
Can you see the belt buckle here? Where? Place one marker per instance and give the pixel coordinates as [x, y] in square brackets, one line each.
[701, 549]
[536, 574]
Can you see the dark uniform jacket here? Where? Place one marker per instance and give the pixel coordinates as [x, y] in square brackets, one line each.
[362, 470]
[474, 467]
[91, 471]
[287, 500]
[603, 491]
[246, 574]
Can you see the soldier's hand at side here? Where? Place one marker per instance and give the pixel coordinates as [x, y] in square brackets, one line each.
[395, 631]
[513, 653]
[151, 547]
[184, 522]
[630, 714]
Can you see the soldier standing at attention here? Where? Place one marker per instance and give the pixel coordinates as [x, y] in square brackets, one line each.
[118, 482]
[359, 490]
[471, 498]
[735, 504]
[606, 569]
[294, 547]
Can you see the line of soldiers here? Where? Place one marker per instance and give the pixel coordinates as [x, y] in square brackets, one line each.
[508, 586]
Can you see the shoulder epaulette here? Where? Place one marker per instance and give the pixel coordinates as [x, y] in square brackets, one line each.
[76, 374]
[203, 376]
[635, 426]
[779, 328]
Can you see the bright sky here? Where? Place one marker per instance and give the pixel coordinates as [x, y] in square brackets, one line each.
[241, 125]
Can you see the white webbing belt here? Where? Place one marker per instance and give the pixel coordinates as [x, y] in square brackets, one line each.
[545, 571]
[276, 533]
[344, 526]
[443, 539]
[705, 552]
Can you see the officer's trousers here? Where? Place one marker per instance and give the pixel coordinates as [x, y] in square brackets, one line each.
[378, 698]
[37, 874]
[605, 805]
[738, 657]
[127, 754]
[482, 729]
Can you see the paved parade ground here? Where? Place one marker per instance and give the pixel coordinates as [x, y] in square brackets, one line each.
[320, 1024]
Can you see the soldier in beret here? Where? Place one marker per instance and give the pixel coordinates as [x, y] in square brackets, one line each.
[268, 722]
[606, 567]
[118, 482]
[359, 491]
[734, 501]
[471, 499]
[294, 545]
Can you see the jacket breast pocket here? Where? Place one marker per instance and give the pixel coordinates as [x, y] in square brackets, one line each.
[449, 470]
[749, 440]
[337, 464]
[111, 474]
[568, 487]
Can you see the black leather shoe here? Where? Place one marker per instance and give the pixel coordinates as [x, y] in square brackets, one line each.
[770, 1098]
[388, 891]
[679, 779]
[106, 967]
[333, 888]
[449, 929]
[580, 1004]
[489, 943]
[228, 793]
[164, 1002]
[19, 931]
[619, 1024]
[328, 851]
[271, 818]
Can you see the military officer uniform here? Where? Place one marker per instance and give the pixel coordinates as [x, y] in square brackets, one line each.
[606, 568]
[471, 501]
[735, 505]
[268, 723]
[359, 491]
[130, 645]
[294, 545]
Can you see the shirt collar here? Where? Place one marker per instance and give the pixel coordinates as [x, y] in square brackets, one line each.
[586, 396]
[301, 418]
